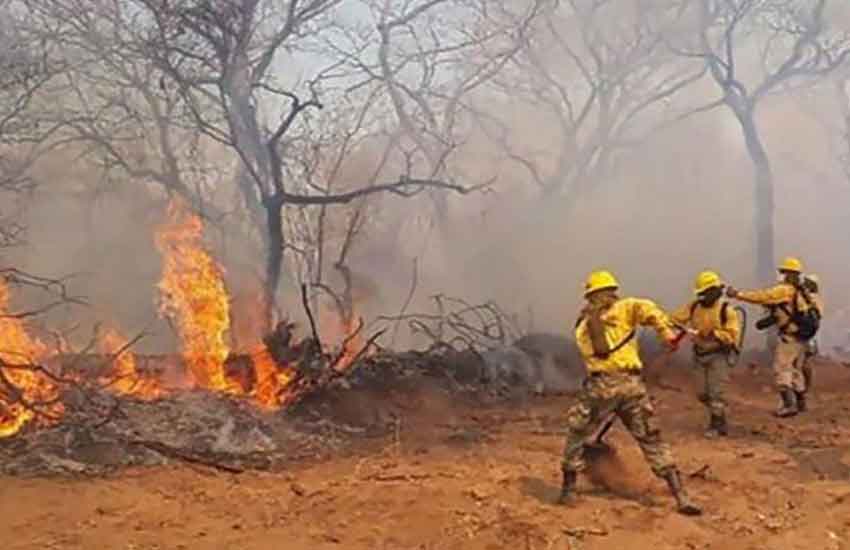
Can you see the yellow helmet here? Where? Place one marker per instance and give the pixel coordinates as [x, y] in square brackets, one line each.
[600, 280]
[791, 264]
[706, 280]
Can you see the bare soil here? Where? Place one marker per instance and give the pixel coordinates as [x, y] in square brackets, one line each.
[460, 475]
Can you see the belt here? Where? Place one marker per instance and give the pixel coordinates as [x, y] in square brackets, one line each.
[721, 350]
[631, 371]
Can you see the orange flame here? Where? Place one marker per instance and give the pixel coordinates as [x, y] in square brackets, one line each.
[271, 379]
[193, 293]
[19, 384]
[124, 378]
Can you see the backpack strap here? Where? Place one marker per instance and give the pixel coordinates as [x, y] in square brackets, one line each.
[628, 338]
[724, 311]
[794, 308]
[623, 342]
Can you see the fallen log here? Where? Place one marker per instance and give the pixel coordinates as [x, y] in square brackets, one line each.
[179, 454]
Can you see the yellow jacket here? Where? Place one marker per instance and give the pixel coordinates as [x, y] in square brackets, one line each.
[711, 333]
[778, 295]
[621, 320]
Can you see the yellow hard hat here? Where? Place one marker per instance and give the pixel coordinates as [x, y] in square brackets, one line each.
[600, 280]
[706, 280]
[791, 264]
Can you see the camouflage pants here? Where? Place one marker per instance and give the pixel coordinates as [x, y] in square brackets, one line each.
[788, 364]
[812, 351]
[713, 380]
[625, 395]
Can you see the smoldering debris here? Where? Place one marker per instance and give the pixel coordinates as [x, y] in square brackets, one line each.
[101, 431]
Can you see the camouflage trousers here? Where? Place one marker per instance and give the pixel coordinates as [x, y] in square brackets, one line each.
[712, 372]
[788, 364]
[625, 395]
[808, 373]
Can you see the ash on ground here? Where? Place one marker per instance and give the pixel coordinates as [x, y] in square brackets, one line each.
[101, 432]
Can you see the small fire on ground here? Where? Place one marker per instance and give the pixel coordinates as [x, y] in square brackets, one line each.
[193, 296]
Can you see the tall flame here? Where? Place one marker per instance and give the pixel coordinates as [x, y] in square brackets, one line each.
[193, 293]
[21, 384]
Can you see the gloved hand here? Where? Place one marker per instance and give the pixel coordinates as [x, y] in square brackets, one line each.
[673, 343]
[732, 292]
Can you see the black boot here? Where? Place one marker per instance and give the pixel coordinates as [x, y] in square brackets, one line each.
[789, 403]
[722, 425]
[568, 486]
[717, 426]
[684, 505]
[801, 401]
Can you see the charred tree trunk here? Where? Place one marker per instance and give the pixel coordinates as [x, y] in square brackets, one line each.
[274, 260]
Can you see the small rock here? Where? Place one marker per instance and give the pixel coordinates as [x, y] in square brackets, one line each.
[479, 494]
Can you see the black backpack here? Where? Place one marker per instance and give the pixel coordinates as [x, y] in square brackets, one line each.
[807, 321]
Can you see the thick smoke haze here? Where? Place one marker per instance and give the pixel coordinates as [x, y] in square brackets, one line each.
[678, 202]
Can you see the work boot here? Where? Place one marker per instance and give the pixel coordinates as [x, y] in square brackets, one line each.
[801, 401]
[684, 505]
[717, 427]
[789, 404]
[568, 487]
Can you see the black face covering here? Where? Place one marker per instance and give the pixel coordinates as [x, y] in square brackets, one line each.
[792, 277]
[710, 296]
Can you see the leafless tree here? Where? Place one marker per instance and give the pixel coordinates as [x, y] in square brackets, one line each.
[27, 73]
[432, 59]
[602, 71]
[219, 57]
[794, 44]
[160, 82]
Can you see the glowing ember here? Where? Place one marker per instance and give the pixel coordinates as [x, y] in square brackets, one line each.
[124, 378]
[193, 294]
[21, 387]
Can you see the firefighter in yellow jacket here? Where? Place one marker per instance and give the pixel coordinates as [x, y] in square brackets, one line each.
[716, 331]
[790, 307]
[606, 338]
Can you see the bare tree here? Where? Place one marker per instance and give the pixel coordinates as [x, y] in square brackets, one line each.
[220, 57]
[27, 72]
[793, 43]
[433, 67]
[601, 71]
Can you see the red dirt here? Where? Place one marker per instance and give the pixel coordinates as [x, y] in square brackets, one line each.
[485, 479]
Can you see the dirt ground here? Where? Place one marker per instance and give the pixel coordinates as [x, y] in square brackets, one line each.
[457, 477]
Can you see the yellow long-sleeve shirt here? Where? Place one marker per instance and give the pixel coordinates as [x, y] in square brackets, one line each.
[711, 332]
[620, 321]
[782, 294]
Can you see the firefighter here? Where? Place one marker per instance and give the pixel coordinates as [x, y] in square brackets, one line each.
[794, 314]
[605, 334]
[716, 332]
